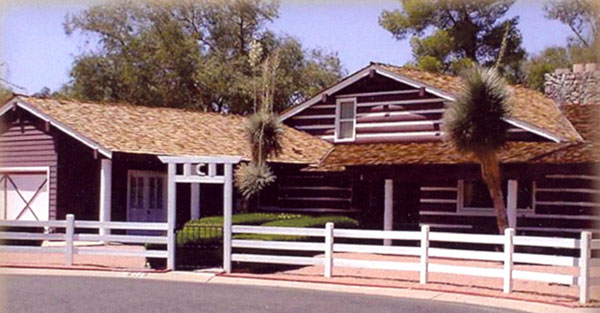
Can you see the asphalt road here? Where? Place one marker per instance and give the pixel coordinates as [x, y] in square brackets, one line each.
[23, 293]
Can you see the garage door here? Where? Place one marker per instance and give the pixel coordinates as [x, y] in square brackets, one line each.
[24, 196]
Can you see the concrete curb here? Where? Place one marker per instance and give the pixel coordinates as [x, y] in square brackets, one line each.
[211, 278]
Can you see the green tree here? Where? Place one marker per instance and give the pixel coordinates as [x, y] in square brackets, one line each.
[543, 63]
[474, 125]
[583, 18]
[580, 15]
[191, 54]
[447, 35]
[5, 93]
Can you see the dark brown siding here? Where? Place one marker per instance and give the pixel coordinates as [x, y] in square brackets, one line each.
[24, 142]
[78, 179]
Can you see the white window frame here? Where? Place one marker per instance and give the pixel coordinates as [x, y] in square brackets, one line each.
[146, 175]
[338, 120]
[460, 200]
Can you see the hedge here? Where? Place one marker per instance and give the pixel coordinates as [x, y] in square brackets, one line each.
[339, 221]
[194, 235]
[245, 219]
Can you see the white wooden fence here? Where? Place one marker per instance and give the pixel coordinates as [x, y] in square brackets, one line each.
[589, 268]
[69, 237]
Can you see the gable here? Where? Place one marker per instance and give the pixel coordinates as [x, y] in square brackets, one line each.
[386, 110]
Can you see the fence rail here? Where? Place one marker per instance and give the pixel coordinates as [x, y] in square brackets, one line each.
[589, 268]
[69, 237]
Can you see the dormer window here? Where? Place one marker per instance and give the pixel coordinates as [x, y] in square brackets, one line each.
[345, 120]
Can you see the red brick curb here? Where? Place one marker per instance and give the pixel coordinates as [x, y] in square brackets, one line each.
[86, 268]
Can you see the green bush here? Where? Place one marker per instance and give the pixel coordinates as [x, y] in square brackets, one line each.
[197, 235]
[339, 221]
[201, 235]
[245, 219]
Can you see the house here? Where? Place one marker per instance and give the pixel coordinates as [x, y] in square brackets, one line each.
[369, 146]
[389, 166]
[103, 161]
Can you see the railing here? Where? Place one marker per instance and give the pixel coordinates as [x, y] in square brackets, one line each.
[589, 268]
[69, 237]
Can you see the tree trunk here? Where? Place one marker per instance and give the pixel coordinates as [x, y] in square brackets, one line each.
[490, 172]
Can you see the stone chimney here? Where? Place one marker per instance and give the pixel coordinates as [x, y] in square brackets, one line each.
[579, 85]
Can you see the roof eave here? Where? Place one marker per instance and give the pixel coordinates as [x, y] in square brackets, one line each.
[17, 102]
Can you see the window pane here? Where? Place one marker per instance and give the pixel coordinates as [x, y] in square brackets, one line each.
[132, 192]
[477, 195]
[152, 196]
[140, 192]
[346, 130]
[347, 110]
[159, 193]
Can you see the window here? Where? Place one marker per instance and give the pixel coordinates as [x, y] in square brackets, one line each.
[476, 194]
[345, 120]
[146, 190]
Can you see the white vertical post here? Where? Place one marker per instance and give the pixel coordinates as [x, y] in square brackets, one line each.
[511, 203]
[509, 249]
[69, 231]
[424, 254]
[584, 266]
[227, 212]
[328, 249]
[195, 201]
[171, 215]
[105, 194]
[388, 209]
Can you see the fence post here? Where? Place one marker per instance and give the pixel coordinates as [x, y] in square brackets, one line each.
[584, 267]
[69, 231]
[509, 249]
[328, 249]
[424, 254]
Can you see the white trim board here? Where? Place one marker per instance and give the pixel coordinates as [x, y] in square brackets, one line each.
[64, 128]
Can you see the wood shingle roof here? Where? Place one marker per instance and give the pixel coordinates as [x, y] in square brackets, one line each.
[168, 131]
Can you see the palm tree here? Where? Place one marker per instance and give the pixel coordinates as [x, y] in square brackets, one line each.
[474, 125]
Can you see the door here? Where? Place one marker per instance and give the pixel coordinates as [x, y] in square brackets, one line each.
[146, 196]
[24, 195]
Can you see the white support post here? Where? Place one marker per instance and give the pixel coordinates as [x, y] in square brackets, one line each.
[388, 209]
[584, 266]
[195, 201]
[509, 249]
[227, 212]
[328, 249]
[69, 231]
[511, 203]
[423, 277]
[171, 215]
[105, 194]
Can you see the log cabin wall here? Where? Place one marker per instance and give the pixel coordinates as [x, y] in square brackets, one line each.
[386, 111]
[561, 204]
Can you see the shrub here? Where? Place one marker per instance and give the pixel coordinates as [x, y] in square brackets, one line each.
[245, 219]
[340, 221]
[190, 234]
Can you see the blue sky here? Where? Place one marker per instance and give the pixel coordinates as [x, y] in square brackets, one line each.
[37, 52]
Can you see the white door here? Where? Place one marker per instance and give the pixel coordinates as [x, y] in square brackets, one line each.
[146, 196]
[24, 196]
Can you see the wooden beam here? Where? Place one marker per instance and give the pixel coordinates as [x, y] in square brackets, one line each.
[47, 126]
[324, 98]
[95, 154]
[422, 92]
[388, 205]
[105, 193]
[371, 73]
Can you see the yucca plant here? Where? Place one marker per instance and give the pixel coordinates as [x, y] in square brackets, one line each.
[263, 132]
[474, 124]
